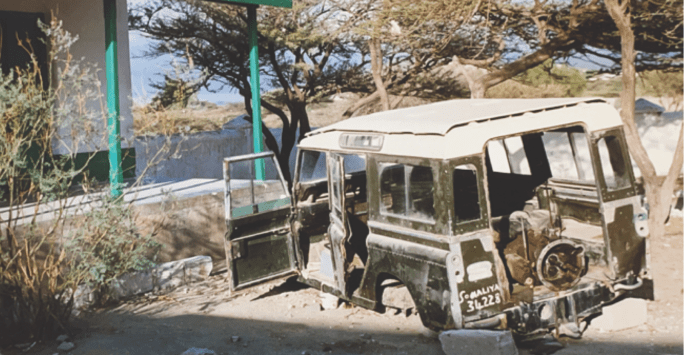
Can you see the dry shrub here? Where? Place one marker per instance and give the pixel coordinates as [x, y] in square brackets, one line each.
[150, 120]
[669, 85]
[514, 89]
[42, 263]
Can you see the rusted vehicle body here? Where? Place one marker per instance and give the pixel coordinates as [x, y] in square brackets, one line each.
[491, 214]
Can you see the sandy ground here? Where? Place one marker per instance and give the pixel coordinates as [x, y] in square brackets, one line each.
[284, 317]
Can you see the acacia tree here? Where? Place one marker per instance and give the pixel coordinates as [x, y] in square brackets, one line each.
[658, 191]
[516, 36]
[406, 42]
[302, 53]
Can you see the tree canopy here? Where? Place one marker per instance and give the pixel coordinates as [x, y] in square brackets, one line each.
[513, 37]
[399, 47]
[302, 52]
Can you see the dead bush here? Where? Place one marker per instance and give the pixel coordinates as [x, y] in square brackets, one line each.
[515, 90]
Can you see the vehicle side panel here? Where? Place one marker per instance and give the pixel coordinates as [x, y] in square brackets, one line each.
[421, 268]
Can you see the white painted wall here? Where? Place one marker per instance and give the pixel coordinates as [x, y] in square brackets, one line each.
[85, 18]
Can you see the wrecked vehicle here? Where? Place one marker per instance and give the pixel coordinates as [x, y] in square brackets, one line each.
[489, 214]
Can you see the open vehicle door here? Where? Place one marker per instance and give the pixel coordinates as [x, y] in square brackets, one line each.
[338, 230]
[259, 244]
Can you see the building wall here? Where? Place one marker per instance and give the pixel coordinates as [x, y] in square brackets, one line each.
[85, 18]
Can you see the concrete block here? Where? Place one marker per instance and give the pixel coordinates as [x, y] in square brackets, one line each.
[628, 313]
[132, 284]
[477, 341]
[197, 268]
[169, 275]
[163, 277]
[84, 297]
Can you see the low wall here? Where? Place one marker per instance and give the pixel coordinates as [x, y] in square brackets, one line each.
[197, 155]
[185, 226]
[181, 157]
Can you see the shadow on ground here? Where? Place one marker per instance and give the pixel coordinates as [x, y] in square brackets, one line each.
[147, 328]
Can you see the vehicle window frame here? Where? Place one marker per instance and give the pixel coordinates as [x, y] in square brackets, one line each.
[511, 168]
[408, 193]
[475, 224]
[336, 193]
[568, 130]
[437, 226]
[256, 206]
[584, 168]
[622, 192]
[299, 162]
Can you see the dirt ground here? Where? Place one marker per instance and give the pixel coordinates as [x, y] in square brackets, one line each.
[284, 317]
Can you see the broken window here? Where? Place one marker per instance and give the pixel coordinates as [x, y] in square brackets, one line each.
[516, 156]
[248, 195]
[508, 156]
[568, 154]
[312, 166]
[466, 196]
[354, 163]
[583, 156]
[613, 163]
[559, 153]
[497, 157]
[406, 191]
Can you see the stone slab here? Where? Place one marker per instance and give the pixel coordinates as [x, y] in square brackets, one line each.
[168, 276]
[197, 268]
[163, 277]
[84, 297]
[477, 341]
[132, 284]
[628, 313]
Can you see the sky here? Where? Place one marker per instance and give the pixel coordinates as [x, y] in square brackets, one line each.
[147, 70]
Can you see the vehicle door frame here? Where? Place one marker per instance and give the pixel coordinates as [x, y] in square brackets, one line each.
[338, 239]
[618, 224]
[236, 248]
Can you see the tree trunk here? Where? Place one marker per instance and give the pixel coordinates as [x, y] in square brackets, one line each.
[659, 195]
[376, 70]
[299, 115]
[358, 104]
[271, 142]
[304, 125]
[478, 89]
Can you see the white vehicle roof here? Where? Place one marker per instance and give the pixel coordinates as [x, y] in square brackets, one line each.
[457, 128]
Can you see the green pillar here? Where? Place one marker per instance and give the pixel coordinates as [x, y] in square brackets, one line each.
[112, 72]
[256, 89]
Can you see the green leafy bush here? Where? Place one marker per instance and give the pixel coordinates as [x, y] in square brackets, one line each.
[570, 79]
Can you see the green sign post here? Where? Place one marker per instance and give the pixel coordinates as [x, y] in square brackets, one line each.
[112, 72]
[254, 72]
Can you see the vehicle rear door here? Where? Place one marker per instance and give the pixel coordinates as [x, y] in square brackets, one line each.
[258, 242]
[625, 222]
